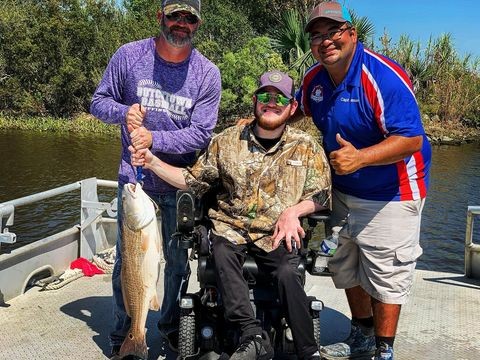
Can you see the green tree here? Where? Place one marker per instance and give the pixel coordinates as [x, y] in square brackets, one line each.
[141, 17]
[365, 28]
[240, 72]
[454, 86]
[224, 28]
[293, 43]
[54, 52]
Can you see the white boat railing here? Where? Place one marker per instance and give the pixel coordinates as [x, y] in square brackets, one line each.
[53, 254]
[472, 251]
[7, 209]
[95, 233]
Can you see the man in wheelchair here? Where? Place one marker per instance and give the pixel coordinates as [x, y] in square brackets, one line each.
[270, 175]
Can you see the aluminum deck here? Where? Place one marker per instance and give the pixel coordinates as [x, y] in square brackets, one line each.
[441, 320]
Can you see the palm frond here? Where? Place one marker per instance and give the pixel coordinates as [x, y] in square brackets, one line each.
[365, 28]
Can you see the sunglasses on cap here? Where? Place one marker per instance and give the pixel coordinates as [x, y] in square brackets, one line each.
[280, 100]
[177, 16]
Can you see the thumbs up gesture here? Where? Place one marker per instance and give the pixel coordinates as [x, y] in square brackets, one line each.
[347, 159]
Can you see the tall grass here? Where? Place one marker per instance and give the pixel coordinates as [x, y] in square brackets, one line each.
[82, 124]
[446, 84]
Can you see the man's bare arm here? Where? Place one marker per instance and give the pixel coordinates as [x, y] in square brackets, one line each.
[171, 174]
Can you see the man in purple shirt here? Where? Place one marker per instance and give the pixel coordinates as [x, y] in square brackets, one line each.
[164, 94]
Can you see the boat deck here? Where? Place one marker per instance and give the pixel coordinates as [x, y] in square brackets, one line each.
[441, 320]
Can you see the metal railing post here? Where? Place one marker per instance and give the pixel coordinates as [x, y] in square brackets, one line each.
[92, 236]
[472, 251]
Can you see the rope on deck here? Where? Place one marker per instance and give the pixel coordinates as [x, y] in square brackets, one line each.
[56, 282]
[105, 260]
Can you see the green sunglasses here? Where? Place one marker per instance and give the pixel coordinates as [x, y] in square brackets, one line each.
[280, 99]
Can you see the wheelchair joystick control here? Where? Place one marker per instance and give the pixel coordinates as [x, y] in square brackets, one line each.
[185, 219]
[185, 211]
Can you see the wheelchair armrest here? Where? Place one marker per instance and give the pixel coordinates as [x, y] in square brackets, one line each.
[316, 264]
[313, 220]
[319, 216]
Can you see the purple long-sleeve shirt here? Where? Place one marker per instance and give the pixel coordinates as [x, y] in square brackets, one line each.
[181, 102]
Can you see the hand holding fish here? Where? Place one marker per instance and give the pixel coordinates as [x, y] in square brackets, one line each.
[142, 157]
[141, 138]
[135, 115]
[170, 173]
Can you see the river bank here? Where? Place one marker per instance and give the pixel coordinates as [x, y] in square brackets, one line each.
[448, 132]
[439, 132]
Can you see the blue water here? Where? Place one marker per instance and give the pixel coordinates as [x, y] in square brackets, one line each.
[34, 162]
[455, 185]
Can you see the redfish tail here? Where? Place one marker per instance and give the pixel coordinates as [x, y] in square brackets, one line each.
[134, 346]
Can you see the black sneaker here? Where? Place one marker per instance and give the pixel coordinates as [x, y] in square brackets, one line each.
[384, 352]
[255, 347]
[314, 356]
[359, 344]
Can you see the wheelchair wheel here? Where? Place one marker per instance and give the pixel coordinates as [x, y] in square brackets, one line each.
[316, 330]
[186, 336]
[316, 307]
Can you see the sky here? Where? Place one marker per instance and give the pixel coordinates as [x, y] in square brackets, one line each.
[420, 19]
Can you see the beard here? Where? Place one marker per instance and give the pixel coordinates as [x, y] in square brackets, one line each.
[270, 122]
[175, 39]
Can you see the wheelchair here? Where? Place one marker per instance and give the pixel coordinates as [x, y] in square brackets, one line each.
[204, 333]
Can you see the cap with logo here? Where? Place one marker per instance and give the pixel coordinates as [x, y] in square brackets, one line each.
[191, 6]
[279, 80]
[328, 10]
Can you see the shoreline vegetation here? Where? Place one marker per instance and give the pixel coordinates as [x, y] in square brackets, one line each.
[52, 79]
[439, 132]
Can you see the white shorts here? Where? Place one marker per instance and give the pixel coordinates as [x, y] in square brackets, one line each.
[378, 246]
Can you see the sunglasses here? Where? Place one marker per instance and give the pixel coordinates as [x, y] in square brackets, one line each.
[177, 16]
[279, 99]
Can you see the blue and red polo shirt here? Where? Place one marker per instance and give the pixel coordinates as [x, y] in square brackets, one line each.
[374, 101]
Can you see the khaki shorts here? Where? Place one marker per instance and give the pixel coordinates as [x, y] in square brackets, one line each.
[378, 246]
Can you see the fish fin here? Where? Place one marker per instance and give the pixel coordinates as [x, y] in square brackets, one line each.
[134, 347]
[145, 241]
[154, 303]
[127, 309]
[124, 296]
[159, 237]
[158, 244]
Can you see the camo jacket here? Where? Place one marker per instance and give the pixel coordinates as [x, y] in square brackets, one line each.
[255, 185]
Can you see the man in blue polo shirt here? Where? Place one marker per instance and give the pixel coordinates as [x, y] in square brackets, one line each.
[363, 104]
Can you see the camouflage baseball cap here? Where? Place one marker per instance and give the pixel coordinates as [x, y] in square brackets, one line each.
[279, 80]
[191, 6]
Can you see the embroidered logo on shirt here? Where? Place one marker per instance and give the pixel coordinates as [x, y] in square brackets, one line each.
[154, 98]
[342, 99]
[317, 94]
[294, 162]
